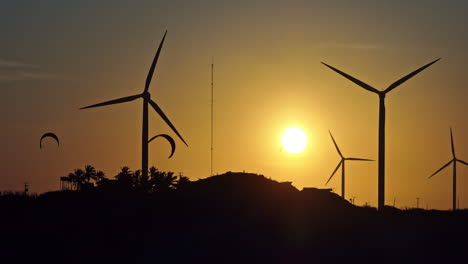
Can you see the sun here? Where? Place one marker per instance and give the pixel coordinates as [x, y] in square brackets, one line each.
[294, 140]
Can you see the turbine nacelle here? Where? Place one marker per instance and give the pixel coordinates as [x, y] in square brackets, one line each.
[146, 96]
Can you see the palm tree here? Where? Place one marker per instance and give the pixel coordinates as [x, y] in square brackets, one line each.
[125, 177]
[153, 174]
[89, 173]
[76, 178]
[182, 182]
[71, 177]
[125, 173]
[153, 170]
[79, 178]
[165, 181]
[136, 182]
[144, 182]
[99, 176]
[169, 180]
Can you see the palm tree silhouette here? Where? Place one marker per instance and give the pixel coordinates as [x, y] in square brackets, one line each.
[170, 179]
[76, 179]
[125, 173]
[182, 182]
[136, 179]
[144, 183]
[165, 180]
[89, 173]
[99, 176]
[125, 176]
[153, 174]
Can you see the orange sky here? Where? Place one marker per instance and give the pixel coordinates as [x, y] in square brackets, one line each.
[56, 58]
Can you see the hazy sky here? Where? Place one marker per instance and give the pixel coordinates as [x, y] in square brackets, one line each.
[58, 56]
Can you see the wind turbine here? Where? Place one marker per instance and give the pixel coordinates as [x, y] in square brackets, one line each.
[381, 94]
[342, 165]
[454, 160]
[146, 96]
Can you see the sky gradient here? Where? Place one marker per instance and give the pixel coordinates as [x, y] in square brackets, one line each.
[57, 57]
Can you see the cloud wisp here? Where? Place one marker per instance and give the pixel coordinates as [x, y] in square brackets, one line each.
[12, 70]
[355, 46]
[22, 76]
[14, 64]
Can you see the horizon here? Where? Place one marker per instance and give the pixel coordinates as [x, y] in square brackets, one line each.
[267, 78]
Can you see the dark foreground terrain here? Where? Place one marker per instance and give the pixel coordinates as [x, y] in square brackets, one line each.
[235, 217]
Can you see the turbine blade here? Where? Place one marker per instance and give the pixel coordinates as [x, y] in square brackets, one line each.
[443, 167]
[451, 141]
[153, 65]
[359, 159]
[354, 80]
[336, 145]
[409, 76]
[464, 162]
[115, 101]
[337, 167]
[164, 117]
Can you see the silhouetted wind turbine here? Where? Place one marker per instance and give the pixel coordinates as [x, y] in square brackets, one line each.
[146, 96]
[454, 160]
[381, 94]
[342, 164]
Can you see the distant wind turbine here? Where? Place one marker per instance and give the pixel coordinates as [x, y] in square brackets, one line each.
[342, 164]
[146, 96]
[454, 160]
[381, 94]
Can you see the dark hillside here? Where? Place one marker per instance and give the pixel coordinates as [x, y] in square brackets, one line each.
[234, 217]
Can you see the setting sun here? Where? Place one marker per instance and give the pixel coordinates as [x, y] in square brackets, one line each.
[294, 140]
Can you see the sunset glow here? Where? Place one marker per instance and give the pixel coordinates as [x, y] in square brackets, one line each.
[268, 77]
[248, 131]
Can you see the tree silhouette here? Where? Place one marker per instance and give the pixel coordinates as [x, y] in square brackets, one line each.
[124, 174]
[125, 180]
[144, 183]
[182, 182]
[76, 178]
[125, 177]
[80, 178]
[89, 173]
[136, 180]
[153, 174]
[163, 181]
[99, 176]
[169, 180]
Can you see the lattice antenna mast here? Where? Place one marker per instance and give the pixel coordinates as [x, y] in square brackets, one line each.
[212, 104]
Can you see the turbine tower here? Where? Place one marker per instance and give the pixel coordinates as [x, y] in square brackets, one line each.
[381, 94]
[146, 96]
[454, 160]
[342, 165]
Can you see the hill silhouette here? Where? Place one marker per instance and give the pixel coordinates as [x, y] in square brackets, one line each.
[233, 217]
